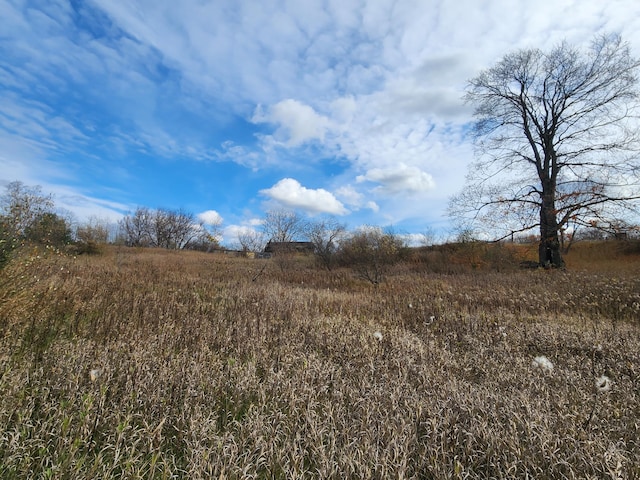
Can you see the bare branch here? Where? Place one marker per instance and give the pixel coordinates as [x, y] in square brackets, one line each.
[558, 137]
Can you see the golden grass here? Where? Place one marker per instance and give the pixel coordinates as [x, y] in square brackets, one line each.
[156, 364]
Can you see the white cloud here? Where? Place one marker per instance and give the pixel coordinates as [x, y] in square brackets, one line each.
[350, 195]
[210, 217]
[375, 85]
[290, 193]
[373, 206]
[230, 233]
[85, 206]
[254, 222]
[250, 228]
[297, 123]
[399, 179]
[356, 199]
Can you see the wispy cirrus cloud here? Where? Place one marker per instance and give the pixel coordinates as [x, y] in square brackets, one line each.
[331, 91]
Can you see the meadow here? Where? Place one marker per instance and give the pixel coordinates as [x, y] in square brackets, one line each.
[146, 363]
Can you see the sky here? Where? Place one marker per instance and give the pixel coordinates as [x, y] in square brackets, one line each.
[231, 108]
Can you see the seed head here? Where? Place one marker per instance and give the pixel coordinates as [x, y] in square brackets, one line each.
[377, 336]
[542, 363]
[603, 384]
[94, 374]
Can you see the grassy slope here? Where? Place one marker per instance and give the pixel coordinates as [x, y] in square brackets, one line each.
[205, 373]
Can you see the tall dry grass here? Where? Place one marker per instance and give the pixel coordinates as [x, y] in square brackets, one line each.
[155, 364]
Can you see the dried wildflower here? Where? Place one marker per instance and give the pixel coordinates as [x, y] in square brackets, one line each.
[94, 374]
[542, 363]
[377, 336]
[603, 384]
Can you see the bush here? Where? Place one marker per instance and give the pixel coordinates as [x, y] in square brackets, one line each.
[370, 252]
[8, 243]
[49, 229]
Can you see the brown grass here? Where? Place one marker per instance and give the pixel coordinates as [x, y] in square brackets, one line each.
[205, 373]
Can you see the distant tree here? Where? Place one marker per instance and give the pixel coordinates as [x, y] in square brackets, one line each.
[427, 238]
[208, 233]
[164, 228]
[283, 226]
[371, 251]
[49, 229]
[325, 234]
[21, 209]
[136, 229]
[251, 240]
[559, 138]
[203, 242]
[21, 206]
[94, 230]
[92, 235]
[174, 229]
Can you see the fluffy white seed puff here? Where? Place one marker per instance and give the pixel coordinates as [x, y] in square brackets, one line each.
[542, 363]
[94, 374]
[603, 384]
[377, 336]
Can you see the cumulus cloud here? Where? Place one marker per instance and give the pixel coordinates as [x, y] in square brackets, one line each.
[210, 217]
[296, 122]
[399, 179]
[292, 194]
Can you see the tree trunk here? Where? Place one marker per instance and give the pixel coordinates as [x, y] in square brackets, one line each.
[549, 252]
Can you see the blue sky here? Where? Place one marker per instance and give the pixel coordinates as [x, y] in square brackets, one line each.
[348, 108]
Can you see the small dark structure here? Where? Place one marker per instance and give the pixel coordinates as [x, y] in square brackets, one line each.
[304, 248]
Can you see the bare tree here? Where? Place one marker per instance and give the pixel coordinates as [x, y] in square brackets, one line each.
[164, 228]
[174, 229]
[325, 234]
[209, 232]
[558, 137]
[251, 240]
[283, 226]
[136, 229]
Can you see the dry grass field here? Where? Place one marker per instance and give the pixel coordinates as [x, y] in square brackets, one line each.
[156, 364]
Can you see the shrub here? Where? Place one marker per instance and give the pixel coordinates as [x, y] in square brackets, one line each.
[371, 251]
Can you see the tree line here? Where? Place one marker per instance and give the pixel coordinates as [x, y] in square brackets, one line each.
[28, 217]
